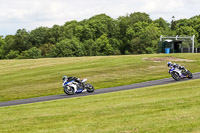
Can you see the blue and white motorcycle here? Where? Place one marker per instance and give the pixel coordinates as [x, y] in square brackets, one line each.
[179, 73]
[72, 87]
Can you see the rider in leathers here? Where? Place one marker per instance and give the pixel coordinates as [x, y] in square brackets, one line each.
[71, 78]
[170, 64]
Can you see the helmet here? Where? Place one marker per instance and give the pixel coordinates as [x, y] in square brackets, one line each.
[64, 78]
[169, 63]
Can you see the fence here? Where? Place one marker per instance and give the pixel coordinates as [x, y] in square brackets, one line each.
[189, 50]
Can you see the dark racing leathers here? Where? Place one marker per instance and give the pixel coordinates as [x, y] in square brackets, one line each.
[74, 78]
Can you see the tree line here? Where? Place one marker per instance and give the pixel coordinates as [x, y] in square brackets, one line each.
[135, 33]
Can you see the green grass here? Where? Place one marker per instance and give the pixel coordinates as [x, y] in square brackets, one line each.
[171, 108]
[21, 79]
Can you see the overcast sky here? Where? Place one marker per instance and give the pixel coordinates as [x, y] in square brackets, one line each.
[30, 14]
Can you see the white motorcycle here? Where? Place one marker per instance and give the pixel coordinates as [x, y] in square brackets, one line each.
[72, 87]
[177, 73]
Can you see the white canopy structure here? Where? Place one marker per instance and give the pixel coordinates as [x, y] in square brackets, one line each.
[179, 37]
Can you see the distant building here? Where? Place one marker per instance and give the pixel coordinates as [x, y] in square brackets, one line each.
[175, 45]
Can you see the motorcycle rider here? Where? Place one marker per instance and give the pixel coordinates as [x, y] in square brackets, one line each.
[174, 65]
[71, 78]
[170, 64]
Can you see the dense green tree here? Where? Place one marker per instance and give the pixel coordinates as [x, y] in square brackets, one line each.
[139, 17]
[2, 44]
[134, 33]
[116, 44]
[123, 25]
[195, 23]
[145, 40]
[22, 40]
[130, 26]
[87, 33]
[163, 25]
[105, 47]
[68, 48]
[46, 49]
[2, 41]
[55, 34]
[69, 29]
[101, 24]
[12, 54]
[39, 36]
[9, 45]
[150, 36]
[186, 31]
[91, 48]
[32, 53]
[182, 23]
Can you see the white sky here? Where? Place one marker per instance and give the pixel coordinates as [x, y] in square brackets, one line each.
[30, 14]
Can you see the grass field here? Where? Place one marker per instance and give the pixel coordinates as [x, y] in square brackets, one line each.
[21, 79]
[171, 108]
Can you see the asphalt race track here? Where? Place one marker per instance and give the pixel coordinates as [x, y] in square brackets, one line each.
[99, 91]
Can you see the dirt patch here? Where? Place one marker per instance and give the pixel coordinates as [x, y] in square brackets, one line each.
[168, 59]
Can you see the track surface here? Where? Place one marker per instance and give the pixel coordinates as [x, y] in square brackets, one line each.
[99, 91]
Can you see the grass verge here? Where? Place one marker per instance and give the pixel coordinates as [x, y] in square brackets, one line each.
[164, 108]
[21, 79]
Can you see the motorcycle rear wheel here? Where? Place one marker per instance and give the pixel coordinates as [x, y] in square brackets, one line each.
[190, 76]
[89, 88]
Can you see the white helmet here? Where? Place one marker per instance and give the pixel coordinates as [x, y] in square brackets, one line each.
[64, 78]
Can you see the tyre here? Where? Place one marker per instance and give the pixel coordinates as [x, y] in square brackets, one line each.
[190, 76]
[69, 90]
[175, 76]
[89, 88]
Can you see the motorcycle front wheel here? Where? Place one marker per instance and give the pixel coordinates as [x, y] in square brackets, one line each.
[69, 90]
[175, 76]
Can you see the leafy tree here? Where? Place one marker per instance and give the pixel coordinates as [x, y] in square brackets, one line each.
[69, 29]
[46, 49]
[116, 44]
[105, 47]
[136, 29]
[68, 48]
[8, 45]
[195, 24]
[55, 34]
[101, 24]
[84, 32]
[139, 17]
[32, 53]
[163, 25]
[123, 25]
[145, 41]
[2, 44]
[78, 32]
[182, 23]
[12, 54]
[130, 27]
[2, 41]
[39, 36]
[186, 30]
[91, 48]
[133, 33]
[22, 42]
